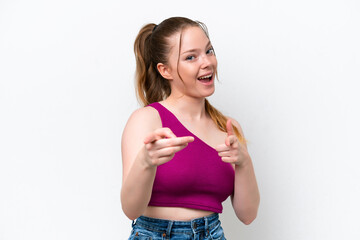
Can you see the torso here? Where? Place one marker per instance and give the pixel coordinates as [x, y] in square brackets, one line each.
[206, 130]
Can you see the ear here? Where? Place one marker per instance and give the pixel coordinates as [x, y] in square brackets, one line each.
[165, 71]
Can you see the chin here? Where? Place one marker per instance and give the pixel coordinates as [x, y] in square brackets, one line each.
[209, 93]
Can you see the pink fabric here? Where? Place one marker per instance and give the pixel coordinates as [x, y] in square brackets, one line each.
[196, 177]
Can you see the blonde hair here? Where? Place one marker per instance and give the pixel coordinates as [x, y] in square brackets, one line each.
[152, 47]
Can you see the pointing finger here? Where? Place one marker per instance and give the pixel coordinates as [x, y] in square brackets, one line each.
[175, 141]
[185, 140]
[229, 128]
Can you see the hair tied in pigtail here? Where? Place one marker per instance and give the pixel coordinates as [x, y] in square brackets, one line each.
[154, 28]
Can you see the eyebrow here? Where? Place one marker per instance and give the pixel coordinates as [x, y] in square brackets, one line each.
[195, 49]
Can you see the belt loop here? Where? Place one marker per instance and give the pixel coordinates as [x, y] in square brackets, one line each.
[168, 230]
[206, 225]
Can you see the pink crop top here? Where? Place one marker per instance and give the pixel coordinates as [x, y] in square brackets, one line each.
[196, 177]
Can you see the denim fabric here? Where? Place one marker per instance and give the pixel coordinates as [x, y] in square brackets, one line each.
[206, 228]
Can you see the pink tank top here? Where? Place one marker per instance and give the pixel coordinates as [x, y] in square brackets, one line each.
[196, 177]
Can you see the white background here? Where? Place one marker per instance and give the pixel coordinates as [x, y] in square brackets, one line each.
[288, 71]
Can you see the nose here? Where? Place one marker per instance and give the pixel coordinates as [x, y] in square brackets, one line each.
[205, 61]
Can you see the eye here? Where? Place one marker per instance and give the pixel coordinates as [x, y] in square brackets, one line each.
[210, 51]
[189, 58]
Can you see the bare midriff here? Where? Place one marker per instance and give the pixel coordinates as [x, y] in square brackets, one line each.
[175, 213]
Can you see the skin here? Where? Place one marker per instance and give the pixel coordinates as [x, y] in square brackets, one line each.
[146, 145]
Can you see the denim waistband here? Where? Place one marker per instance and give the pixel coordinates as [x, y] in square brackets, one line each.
[194, 225]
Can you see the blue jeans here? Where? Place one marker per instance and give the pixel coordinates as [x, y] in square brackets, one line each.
[206, 228]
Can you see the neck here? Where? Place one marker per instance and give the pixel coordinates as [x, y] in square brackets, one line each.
[188, 107]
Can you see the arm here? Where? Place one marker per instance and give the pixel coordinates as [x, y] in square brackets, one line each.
[145, 145]
[246, 197]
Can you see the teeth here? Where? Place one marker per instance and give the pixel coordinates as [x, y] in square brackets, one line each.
[208, 76]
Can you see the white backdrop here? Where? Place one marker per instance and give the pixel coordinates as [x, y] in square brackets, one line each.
[289, 73]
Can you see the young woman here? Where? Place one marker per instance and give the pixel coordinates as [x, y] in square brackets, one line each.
[181, 157]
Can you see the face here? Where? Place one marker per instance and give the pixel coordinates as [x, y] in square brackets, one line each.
[192, 69]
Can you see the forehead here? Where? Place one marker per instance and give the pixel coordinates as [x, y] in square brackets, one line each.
[191, 38]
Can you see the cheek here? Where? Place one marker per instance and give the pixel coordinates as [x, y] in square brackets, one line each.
[215, 61]
[189, 71]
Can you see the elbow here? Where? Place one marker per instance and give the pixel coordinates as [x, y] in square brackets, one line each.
[131, 212]
[132, 215]
[248, 220]
[246, 216]
[247, 213]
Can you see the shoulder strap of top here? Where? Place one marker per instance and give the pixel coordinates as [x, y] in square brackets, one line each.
[168, 119]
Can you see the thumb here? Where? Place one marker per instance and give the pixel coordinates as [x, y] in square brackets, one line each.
[151, 137]
[159, 134]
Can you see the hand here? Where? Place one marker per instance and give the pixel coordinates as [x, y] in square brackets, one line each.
[161, 146]
[232, 151]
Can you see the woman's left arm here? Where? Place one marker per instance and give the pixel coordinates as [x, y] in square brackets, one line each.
[246, 197]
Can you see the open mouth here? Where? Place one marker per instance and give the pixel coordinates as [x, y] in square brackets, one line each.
[206, 78]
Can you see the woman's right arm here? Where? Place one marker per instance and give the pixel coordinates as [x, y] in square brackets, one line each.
[144, 146]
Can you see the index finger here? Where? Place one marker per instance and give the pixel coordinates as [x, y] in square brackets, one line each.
[181, 140]
[178, 141]
[229, 128]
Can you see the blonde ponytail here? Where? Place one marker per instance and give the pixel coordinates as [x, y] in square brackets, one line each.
[220, 120]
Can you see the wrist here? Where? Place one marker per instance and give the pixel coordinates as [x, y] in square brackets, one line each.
[245, 161]
[144, 160]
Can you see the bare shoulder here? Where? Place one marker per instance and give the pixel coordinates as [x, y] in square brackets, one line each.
[140, 123]
[147, 117]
